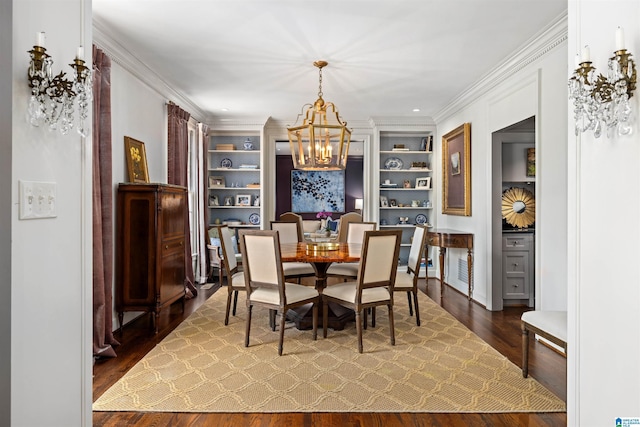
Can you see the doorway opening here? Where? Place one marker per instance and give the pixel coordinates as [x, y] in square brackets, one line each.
[513, 192]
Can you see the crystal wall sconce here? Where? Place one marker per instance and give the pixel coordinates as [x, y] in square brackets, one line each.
[53, 96]
[603, 101]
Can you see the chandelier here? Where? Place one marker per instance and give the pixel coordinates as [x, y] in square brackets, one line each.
[603, 101]
[53, 96]
[322, 141]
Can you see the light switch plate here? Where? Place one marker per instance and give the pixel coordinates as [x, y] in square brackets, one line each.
[37, 199]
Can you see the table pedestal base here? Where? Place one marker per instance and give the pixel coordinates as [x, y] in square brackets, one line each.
[338, 316]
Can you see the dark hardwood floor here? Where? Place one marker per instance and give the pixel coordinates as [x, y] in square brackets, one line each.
[500, 329]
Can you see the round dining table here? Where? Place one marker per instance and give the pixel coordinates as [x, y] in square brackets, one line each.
[321, 256]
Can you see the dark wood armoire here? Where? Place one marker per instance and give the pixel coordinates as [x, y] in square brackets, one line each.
[150, 254]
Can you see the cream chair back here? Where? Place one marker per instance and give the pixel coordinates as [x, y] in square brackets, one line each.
[355, 233]
[289, 231]
[379, 259]
[344, 224]
[226, 238]
[261, 250]
[417, 248]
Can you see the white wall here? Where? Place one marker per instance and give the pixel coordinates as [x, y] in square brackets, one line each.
[140, 113]
[538, 89]
[604, 281]
[51, 279]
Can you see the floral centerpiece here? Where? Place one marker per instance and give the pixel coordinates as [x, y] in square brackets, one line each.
[324, 223]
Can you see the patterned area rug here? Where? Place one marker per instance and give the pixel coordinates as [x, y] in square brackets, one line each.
[440, 366]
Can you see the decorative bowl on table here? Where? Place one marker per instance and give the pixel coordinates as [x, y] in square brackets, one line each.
[322, 246]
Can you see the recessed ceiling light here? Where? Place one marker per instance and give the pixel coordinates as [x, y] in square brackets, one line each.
[416, 110]
[225, 109]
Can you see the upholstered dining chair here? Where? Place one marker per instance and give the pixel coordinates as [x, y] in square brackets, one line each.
[265, 282]
[374, 284]
[343, 228]
[290, 232]
[355, 234]
[235, 277]
[215, 260]
[292, 217]
[407, 281]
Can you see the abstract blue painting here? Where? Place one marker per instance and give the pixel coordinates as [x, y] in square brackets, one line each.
[316, 191]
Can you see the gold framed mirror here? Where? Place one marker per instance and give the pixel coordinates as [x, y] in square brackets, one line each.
[518, 207]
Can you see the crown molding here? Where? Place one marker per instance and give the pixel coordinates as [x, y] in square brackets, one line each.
[239, 122]
[537, 47]
[121, 56]
[403, 122]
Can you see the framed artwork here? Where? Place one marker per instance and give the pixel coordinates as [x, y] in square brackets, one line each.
[456, 171]
[406, 184]
[426, 143]
[393, 203]
[216, 181]
[228, 201]
[531, 162]
[243, 200]
[455, 163]
[424, 183]
[136, 160]
[213, 200]
[317, 191]
[384, 202]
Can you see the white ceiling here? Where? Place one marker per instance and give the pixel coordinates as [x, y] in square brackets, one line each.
[386, 57]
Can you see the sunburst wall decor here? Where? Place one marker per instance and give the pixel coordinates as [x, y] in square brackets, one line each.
[518, 207]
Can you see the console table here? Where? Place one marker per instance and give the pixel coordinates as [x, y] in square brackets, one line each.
[446, 238]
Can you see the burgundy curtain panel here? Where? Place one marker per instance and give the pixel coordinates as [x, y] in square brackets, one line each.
[178, 155]
[103, 340]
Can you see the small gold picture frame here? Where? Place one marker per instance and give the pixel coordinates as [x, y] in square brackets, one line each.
[136, 160]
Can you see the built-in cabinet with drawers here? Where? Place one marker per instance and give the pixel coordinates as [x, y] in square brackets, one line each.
[517, 268]
[405, 181]
[150, 248]
[234, 180]
[518, 252]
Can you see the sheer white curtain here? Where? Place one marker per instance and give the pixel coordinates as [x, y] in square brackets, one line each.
[199, 233]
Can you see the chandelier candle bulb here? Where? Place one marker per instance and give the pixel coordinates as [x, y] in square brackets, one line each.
[586, 54]
[80, 53]
[620, 38]
[40, 39]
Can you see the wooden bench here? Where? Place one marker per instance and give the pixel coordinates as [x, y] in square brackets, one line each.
[551, 325]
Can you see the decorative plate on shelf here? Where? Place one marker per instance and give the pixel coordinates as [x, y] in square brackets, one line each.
[225, 163]
[393, 163]
[421, 219]
[254, 219]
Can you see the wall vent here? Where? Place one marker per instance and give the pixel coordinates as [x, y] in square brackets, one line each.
[463, 272]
